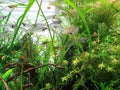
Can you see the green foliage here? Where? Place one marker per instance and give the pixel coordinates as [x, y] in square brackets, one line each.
[84, 56]
[21, 18]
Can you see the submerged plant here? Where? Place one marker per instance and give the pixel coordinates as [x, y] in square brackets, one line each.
[85, 55]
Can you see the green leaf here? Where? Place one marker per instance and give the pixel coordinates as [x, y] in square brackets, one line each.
[21, 18]
[7, 74]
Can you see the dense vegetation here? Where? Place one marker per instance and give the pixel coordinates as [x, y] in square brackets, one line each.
[85, 55]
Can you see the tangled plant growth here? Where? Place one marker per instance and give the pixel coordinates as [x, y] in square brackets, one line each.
[84, 56]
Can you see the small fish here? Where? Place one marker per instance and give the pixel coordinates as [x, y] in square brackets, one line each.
[12, 6]
[73, 11]
[69, 30]
[55, 21]
[2, 17]
[8, 25]
[48, 7]
[64, 14]
[44, 28]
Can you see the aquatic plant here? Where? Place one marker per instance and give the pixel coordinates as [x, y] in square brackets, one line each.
[84, 55]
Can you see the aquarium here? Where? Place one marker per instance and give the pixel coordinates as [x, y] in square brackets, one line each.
[59, 45]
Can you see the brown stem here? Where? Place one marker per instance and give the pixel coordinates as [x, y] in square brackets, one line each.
[36, 67]
[27, 86]
[5, 84]
[41, 65]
